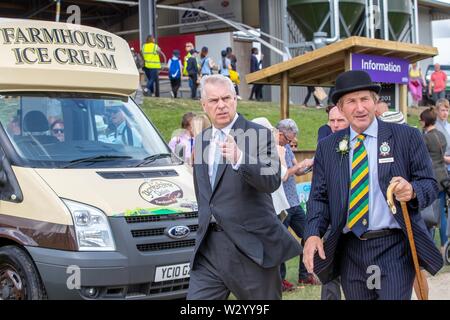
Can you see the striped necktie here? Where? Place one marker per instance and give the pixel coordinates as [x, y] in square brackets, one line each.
[358, 213]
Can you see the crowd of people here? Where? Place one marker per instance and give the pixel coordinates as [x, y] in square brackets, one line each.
[197, 64]
[435, 88]
[239, 223]
[193, 66]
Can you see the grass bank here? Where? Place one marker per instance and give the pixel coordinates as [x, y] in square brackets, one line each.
[166, 114]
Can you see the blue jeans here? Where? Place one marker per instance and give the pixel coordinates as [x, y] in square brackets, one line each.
[438, 95]
[152, 75]
[296, 219]
[443, 237]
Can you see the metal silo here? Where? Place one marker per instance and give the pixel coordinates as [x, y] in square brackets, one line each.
[399, 13]
[313, 16]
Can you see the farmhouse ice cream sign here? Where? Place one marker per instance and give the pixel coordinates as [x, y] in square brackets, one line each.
[62, 46]
[382, 69]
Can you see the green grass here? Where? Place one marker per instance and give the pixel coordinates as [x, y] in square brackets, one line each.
[166, 114]
[304, 292]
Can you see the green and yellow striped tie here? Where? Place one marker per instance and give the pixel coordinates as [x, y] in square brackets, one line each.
[358, 212]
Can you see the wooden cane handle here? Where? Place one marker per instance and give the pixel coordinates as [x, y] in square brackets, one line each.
[422, 287]
[390, 197]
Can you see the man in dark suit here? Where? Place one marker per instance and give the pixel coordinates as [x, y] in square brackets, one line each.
[240, 241]
[255, 65]
[367, 245]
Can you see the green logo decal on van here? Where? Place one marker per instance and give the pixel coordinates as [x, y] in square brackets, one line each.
[151, 211]
[160, 192]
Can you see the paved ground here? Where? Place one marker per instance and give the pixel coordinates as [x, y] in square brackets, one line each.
[439, 287]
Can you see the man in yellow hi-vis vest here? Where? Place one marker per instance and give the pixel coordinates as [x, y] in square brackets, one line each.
[189, 47]
[152, 63]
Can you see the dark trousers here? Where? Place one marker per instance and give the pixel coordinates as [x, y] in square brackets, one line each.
[331, 290]
[152, 76]
[175, 84]
[256, 91]
[362, 260]
[220, 268]
[311, 92]
[296, 219]
[193, 86]
[330, 94]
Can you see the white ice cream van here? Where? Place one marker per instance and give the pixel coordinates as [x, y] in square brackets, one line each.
[93, 205]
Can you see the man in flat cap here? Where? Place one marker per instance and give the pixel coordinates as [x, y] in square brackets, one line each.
[368, 245]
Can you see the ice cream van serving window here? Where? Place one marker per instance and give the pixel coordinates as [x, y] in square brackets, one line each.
[70, 130]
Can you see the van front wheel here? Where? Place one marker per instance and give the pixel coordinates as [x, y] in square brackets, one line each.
[19, 279]
[447, 253]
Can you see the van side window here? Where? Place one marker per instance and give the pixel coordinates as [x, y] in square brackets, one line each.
[10, 115]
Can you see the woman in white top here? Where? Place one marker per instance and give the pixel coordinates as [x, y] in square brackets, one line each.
[280, 202]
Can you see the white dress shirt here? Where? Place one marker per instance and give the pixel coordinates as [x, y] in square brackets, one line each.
[214, 144]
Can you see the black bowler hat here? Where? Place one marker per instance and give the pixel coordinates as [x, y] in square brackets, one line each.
[351, 81]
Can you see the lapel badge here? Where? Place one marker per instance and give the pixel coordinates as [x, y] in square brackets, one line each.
[385, 149]
[364, 222]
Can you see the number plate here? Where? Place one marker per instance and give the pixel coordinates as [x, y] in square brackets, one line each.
[173, 272]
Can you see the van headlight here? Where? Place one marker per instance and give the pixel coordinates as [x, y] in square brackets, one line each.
[92, 228]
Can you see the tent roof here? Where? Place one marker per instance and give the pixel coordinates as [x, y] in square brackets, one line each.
[322, 66]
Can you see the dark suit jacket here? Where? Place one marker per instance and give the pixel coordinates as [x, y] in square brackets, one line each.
[241, 200]
[324, 131]
[328, 201]
[254, 63]
[192, 67]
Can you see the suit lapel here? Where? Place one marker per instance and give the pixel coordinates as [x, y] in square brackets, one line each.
[220, 171]
[344, 174]
[206, 140]
[385, 151]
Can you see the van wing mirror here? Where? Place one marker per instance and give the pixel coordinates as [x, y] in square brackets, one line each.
[179, 150]
[9, 186]
[3, 177]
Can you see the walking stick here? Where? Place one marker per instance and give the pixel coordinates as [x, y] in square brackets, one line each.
[422, 287]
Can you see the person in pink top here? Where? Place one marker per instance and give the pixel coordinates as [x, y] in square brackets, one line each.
[437, 83]
[182, 143]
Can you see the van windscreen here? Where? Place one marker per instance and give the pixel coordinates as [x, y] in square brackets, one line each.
[80, 130]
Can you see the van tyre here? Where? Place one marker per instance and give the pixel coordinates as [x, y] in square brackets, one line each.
[19, 278]
[447, 253]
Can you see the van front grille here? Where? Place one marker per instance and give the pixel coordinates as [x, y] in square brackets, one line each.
[137, 174]
[169, 286]
[166, 245]
[156, 232]
[161, 217]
